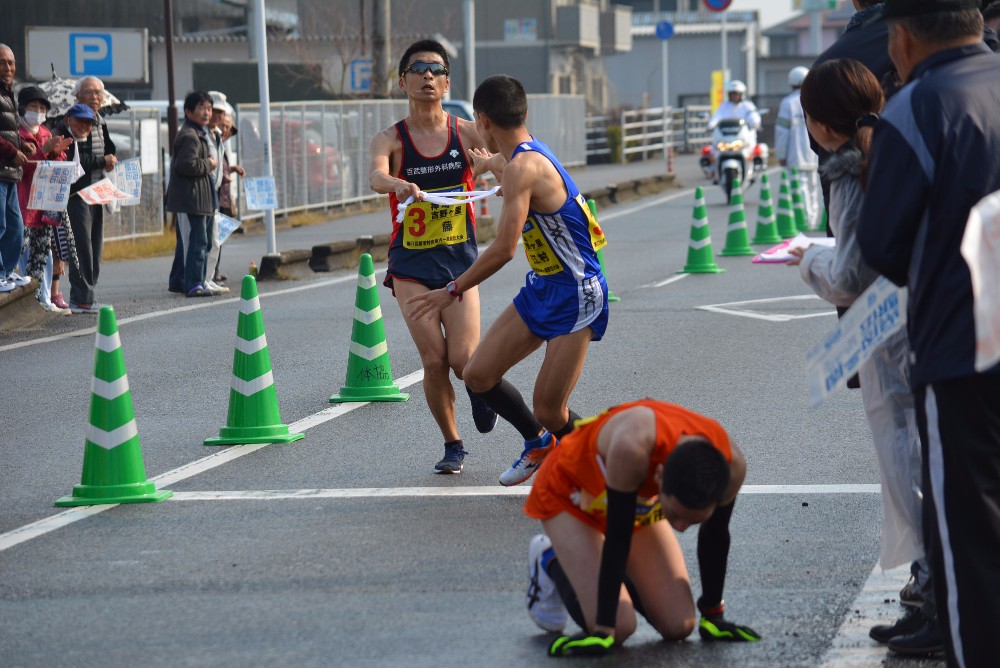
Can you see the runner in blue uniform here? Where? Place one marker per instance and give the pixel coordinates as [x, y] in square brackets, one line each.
[433, 244]
[564, 300]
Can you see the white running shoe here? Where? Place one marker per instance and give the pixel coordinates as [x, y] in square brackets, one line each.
[6, 286]
[215, 288]
[52, 308]
[545, 607]
[531, 458]
[18, 280]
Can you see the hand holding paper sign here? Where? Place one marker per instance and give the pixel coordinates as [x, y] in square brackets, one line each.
[102, 192]
[790, 251]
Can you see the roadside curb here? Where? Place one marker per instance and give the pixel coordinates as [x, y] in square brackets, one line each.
[20, 309]
[338, 255]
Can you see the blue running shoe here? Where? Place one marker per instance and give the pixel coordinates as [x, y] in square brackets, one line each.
[454, 455]
[529, 461]
[484, 416]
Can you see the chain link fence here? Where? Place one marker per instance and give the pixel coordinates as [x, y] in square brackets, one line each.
[136, 134]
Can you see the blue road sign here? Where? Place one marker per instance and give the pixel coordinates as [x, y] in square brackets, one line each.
[361, 75]
[664, 29]
[718, 5]
[90, 54]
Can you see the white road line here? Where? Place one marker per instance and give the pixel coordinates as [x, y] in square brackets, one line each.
[178, 309]
[488, 490]
[618, 213]
[877, 603]
[759, 315]
[44, 526]
[660, 284]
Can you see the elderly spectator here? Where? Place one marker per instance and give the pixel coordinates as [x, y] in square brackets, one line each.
[96, 154]
[934, 157]
[33, 105]
[13, 155]
[191, 193]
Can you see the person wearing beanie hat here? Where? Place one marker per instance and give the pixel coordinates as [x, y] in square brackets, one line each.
[33, 105]
[933, 159]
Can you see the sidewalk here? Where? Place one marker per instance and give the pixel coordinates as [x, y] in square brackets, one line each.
[140, 286]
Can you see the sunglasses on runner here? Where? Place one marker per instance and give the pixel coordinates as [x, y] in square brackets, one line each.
[419, 67]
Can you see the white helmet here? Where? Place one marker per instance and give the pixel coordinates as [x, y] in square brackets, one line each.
[736, 86]
[797, 75]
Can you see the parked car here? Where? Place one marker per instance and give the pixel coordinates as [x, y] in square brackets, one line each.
[460, 108]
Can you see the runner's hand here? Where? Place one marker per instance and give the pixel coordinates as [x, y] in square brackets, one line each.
[715, 627]
[582, 644]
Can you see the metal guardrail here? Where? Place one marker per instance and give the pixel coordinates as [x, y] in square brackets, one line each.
[320, 150]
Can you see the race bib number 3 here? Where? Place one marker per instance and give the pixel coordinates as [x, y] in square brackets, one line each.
[427, 225]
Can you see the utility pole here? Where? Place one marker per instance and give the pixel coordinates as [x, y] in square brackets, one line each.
[381, 48]
[168, 20]
[470, 48]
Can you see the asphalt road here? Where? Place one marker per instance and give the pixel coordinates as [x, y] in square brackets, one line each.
[345, 549]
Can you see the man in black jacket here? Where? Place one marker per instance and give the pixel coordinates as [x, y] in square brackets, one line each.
[933, 159]
[191, 193]
[12, 156]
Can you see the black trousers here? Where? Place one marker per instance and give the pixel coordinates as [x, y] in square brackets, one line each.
[959, 423]
[87, 221]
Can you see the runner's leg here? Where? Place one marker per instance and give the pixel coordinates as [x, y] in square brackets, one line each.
[561, 368]
[657, 569]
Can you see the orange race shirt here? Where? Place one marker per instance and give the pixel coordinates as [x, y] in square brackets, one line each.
[572, 478]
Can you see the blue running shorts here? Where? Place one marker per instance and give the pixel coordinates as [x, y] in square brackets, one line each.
[552, 309]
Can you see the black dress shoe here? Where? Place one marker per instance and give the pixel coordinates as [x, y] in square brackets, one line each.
[928, 640]
[911, 622]
[219, 277]
[174, 288]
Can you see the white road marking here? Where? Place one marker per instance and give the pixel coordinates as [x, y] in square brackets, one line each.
[759, 315]
[877, 603]
[214, 301]
[667, 281]
[44, 526]
[488, 490]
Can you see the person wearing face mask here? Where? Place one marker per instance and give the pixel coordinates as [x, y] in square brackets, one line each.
[33, 105]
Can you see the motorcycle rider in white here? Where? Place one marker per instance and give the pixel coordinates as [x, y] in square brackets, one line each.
[791, 145]
[737, 106]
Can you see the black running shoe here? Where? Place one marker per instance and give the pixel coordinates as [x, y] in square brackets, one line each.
[928, 640]
[454, 455]
[484, 416]
[911, 622]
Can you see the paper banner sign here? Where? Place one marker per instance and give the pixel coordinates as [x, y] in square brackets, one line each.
[876, 315]
[781, 254]
[981, 250]
[225, 226]
[261, 193]
[50, 185]
[127, 177]
[102, 192]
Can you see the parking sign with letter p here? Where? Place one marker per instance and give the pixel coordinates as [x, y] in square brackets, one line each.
[90, 54]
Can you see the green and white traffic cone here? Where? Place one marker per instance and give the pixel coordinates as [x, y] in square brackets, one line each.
[369, 372]
[113, 471]
[786, 222]
[798, 206]
[612, 297]
[699, 256]
[253, 401]
[767, 228]
[737, 241]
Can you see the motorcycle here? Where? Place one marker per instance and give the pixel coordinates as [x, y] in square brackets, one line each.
[733, 154]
